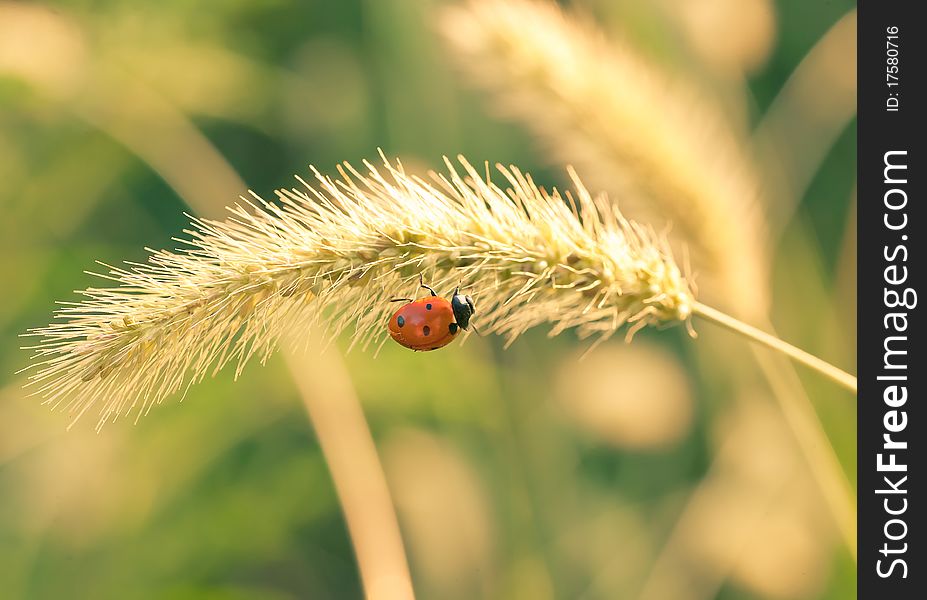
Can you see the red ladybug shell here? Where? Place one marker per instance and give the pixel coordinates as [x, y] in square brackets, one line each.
[426, 324]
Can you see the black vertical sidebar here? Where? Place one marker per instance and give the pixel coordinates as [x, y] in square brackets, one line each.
[892, 438]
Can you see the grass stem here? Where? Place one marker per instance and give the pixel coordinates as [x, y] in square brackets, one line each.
[761, 337]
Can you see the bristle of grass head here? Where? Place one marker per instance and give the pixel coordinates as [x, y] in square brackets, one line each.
[629, 127]
[331, 255]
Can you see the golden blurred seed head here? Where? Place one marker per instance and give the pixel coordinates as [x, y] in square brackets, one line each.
[656, 140]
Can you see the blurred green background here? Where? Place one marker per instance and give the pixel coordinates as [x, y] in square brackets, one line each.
[518, 473]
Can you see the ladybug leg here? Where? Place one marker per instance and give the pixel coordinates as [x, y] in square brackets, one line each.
[421, 281]
[402, 300]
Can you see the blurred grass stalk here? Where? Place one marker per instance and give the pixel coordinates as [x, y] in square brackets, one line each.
[668, 150]
[165, 139]
[338, 419]
[802, 124]
[327, 392]
[747, 492]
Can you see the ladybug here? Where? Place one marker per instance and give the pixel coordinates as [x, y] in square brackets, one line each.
[431, 322]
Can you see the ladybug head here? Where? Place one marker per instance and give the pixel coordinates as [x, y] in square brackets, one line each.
[463, 308]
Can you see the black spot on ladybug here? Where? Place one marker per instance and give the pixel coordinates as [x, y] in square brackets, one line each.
[427, 307]
[400, 321]
[452, 328]
[426, 330]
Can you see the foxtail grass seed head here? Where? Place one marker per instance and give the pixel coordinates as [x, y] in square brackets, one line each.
[331, 255]
[629, 126]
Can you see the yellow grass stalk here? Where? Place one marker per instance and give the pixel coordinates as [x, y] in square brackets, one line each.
[344, 436]
[801, 125]
[332, 256]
